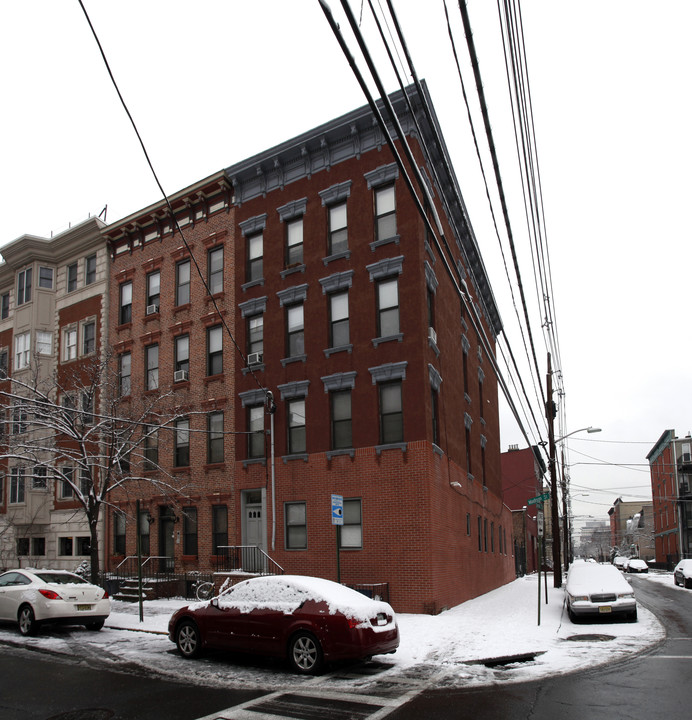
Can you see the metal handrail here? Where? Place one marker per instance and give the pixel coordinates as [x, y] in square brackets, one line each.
[257, 558]
[149, 557]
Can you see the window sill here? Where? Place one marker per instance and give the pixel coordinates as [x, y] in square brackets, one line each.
[385, 241]
[124, 326]
[252, 283]
[153, 316]
[296, 358]
[213, 378]
[339, 348]
[295, 456]
[254, 461]
[391, 446]
[336, 453]
[182, 470]
[300, 267]
[345, 254]
[181, 308]
[258, 367]
[181, 385]
[216, 296]
[387, 338]
[214, 466]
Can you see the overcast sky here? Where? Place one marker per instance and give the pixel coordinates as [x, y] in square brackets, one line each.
[212, 82]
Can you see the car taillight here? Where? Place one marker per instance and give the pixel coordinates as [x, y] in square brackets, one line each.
[105, 595]
[353, 623]
[50, 594]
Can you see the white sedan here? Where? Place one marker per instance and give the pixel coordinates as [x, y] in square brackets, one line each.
[599, 591]
[32, 597]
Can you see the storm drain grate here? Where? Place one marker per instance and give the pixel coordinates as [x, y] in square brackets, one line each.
[506, 660]
[305, 707]
[591, 638]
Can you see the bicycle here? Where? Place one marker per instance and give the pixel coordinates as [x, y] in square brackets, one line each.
[204, 590]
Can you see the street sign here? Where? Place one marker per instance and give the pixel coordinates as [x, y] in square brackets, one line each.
[337, 509]
[539, 498]
[539, 523]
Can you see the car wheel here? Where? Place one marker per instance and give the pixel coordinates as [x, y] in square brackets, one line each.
[688, 583]
[27, 621]
[632, 617]
[305, 653]
[188, 639]
[572, 616]
[95, 626]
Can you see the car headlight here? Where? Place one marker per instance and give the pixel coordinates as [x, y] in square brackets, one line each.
[579, 598]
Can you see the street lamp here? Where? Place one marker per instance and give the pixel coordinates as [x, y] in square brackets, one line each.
[589, 429]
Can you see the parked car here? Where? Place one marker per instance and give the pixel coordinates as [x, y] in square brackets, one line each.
[32, 597]
[619, 562]
[309, 621]
[637, 565]
[599, 591]
[682, 575]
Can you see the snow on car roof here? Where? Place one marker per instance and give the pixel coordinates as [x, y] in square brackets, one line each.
[596, 578]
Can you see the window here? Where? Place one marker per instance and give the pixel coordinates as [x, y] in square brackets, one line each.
[215, 437]
[294, 242]
[22, 350]
[39, 480]
[467, 436]
[65, 546]
[87, 407]
[256, 431]
[151, 355]
[125, 303]
[153, 292]
[338, 320]
[182, 353]
[255, 334]
[5, 306]
[84, 545]
[144, 532]
[295, 330]
[19, 418]
[352, 529]
[430, 299]
[88, 337]
[151, 447]
[69, 343]
[214, 350]
[66, 482]
[24, 286]
[388, 307]
[181, 438]
[85, 483]
[118, 533]
[296, 526]
[468, 524]
[190, 531]
[72, 277]
[385, 213]
[434, 407]
[45, 277]
[16, 485]
[341, 419]
[44, 342]
[492, 537]
[295, 410]
[90, 270]
[219, 529]
[255, 257]
[480, 534]
[22, 546]
[182, 283]
[38, 546]
[391, 413]
[124, 373]
[67, 401]
[3, 363]
[338, 230]
[215, 270]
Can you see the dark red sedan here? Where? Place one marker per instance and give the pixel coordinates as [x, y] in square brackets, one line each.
[307, 620]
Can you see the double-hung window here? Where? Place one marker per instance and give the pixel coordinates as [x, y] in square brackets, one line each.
[255, 257]
[388, 307]
[295, 330]
[72, 277]
[219, 529]
[124, 373]
[90, 270]
[16, 485]
[24, 286]
[215, 350]
[256, 431]
[125, 315]
[45, 278]
[342, 433]
[215, 270]
[296, 526]
[190, 531]
[88, 337]
[151, 356]
[119, 536]
[182, 355]
[391, 413]
[151, 447]
[5, 306]
[338, 319]
[352, 529]
[182, 443]
[338, 229]
[215, 437]
[153, 292]
[255, 333]
[44, 342]
[22, 350]
[39, 481]
[70, 340]
[295, 410]
[294, 242]
[182, 283]
[385, 213]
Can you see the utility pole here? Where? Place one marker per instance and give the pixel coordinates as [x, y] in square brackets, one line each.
[555, 519]
[565, 517]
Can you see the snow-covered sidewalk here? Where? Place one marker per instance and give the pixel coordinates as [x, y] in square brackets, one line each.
[444, 649]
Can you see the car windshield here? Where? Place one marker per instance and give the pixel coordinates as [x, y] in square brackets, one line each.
[61, 578]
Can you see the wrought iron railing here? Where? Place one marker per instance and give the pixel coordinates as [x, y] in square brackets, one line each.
[246, 558]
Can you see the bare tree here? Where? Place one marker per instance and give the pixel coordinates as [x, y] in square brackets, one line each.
[77, 433]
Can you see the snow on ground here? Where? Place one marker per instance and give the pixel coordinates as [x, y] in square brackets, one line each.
[442, 650]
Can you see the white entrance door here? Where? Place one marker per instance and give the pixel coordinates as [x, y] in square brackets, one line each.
[254, 534]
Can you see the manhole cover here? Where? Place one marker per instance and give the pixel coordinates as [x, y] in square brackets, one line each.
[591, 638]
[85, 714]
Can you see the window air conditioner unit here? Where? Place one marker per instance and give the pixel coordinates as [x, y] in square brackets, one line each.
[432, 335]
[151, 309]
[254, 358]
[181, 376]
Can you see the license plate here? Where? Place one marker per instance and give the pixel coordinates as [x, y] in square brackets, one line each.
[84, 607]
[605, 609]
